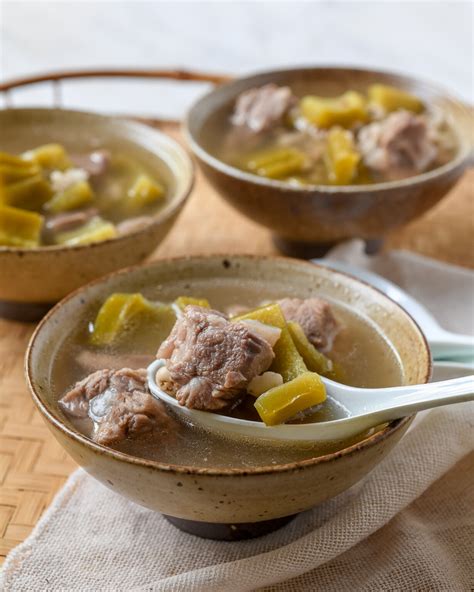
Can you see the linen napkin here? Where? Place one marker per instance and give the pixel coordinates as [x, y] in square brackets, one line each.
[408, 526]
[446, 290]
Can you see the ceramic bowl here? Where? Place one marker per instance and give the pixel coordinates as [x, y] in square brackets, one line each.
[323, 215]
[211, 501]
[33, 279]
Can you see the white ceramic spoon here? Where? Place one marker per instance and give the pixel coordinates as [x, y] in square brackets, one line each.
[444, 344]
[366, 408]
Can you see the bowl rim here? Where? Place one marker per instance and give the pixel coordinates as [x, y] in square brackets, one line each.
[461, 158]
[96, 448]
[156, 220]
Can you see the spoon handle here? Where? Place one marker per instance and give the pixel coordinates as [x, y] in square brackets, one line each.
[392, 403]
[452, 345]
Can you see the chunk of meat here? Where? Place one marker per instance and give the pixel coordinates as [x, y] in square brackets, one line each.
[118, 415]
[94, 163]
[316, 319]
[261, 108]
[211, 360]
[69, 220]
[76, 402]
[119, 404]
[397, 146]
[440, 133]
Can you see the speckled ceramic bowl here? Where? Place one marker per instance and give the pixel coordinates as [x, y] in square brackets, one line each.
[322, 215]
[33, 279]
[216, 502]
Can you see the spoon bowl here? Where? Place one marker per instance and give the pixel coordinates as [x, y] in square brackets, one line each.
[365, 408]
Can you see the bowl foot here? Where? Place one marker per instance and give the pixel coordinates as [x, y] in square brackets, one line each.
[229, 532]
[27, 312]
[303, 250]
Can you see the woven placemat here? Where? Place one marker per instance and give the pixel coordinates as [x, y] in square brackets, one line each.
[33, 466]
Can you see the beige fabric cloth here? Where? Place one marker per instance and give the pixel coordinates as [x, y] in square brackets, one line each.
[446, 290]
[408, 526]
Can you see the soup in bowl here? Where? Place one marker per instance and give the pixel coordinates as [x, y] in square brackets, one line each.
[81, 195]
[86, 363]
[323, 154]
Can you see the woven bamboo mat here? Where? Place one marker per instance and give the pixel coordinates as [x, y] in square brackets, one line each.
[33, 467]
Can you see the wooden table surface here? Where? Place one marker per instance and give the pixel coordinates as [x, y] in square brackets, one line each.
[33, 466]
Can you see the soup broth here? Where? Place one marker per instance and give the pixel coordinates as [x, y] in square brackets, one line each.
[51, 196]
[367, 135]
[366, 356]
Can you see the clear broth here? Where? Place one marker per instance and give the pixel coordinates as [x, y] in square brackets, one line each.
[110, 188]
[366, 356]
[235, 145]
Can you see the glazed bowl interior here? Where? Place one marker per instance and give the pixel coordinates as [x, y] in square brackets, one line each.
[224, 281]
[33, 279]
[81, 132]
[208, 119]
